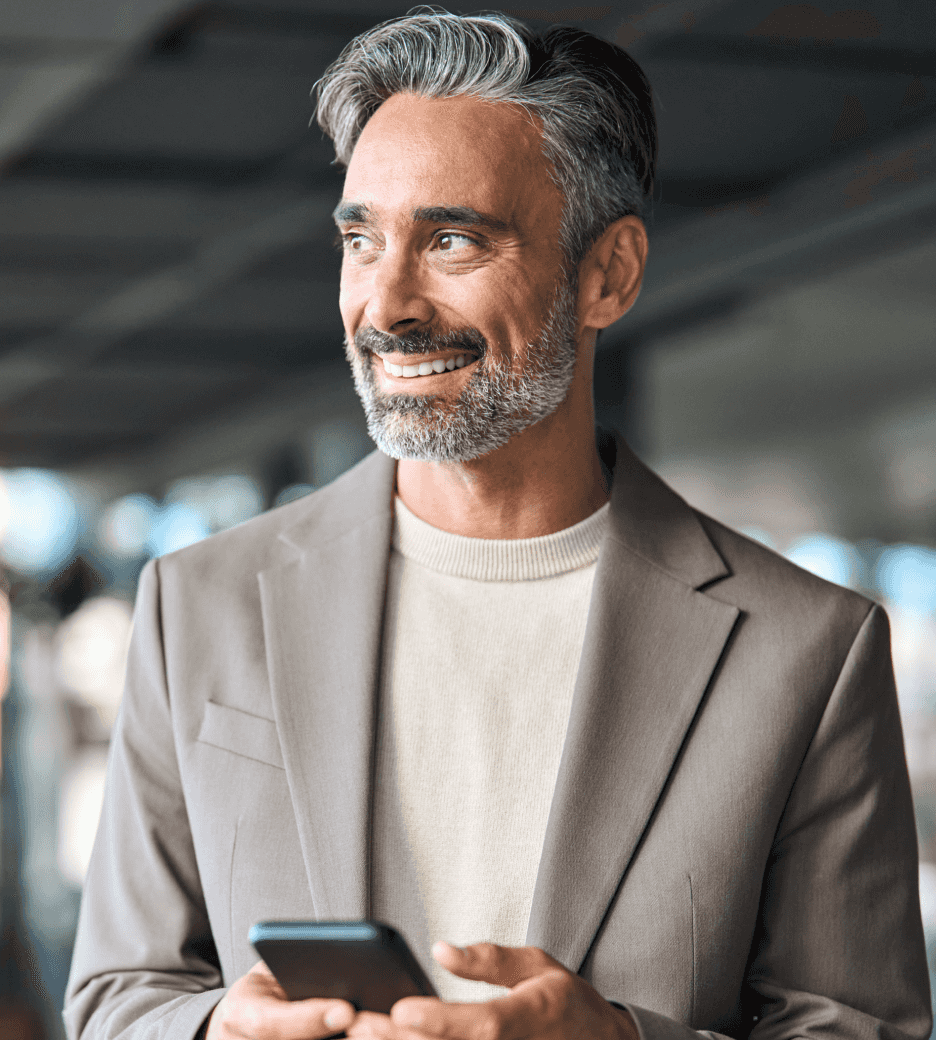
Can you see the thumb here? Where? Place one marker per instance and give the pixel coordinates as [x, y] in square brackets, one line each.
[500, 965]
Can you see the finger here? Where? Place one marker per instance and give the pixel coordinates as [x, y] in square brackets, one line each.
[500, 965]
[369, 1025]
[258, 1009]
[296, 1020]
[503, 1018]
[532, 1008]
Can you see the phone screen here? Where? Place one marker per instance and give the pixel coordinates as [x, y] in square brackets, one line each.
[364, 962]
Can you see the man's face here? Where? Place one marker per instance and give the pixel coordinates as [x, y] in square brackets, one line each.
[452, 270]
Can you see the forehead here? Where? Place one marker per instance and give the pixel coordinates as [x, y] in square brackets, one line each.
[416, 152]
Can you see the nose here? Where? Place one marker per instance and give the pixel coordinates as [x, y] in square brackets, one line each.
[397, 302]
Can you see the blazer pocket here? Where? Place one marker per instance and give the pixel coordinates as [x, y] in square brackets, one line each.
[241, 733]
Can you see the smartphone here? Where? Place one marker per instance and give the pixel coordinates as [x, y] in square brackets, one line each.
[364, 962]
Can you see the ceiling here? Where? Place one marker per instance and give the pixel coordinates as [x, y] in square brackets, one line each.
[166, 258]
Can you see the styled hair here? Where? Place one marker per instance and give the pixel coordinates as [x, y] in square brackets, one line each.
[591, 100]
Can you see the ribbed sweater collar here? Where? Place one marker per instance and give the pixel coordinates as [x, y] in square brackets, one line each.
[492, 559]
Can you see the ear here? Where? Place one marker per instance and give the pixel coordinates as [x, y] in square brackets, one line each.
[611, 273]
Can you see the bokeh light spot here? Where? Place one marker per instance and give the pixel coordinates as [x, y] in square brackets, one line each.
[831, 558]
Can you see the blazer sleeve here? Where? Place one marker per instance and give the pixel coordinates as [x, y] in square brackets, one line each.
[144, 964]
[839, 950]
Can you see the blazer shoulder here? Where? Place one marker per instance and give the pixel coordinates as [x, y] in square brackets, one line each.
[763, 581]
[355, 497]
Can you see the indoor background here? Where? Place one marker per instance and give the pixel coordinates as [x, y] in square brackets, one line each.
[171, 362]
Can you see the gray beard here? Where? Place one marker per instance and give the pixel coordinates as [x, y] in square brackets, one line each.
[495, 403]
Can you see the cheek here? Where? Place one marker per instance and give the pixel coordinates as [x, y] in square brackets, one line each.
[511, 316]
[507, 299]
[350, 301]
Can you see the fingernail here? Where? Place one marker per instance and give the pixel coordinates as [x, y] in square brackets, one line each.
[337, 1018]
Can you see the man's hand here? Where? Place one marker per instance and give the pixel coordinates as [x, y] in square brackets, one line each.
[546, 1002]
[256, 1008]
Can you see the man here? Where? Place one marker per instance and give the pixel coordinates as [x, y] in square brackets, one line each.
[510, 694]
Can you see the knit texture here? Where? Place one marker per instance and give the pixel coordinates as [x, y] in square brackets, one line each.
[482, 640]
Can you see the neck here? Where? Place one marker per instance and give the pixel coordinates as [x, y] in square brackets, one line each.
[543, 480]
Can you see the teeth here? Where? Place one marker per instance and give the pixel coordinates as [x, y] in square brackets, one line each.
[425, 368]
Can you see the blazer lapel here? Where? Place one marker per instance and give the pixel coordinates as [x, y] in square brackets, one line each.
[322, 613]
[652, 642]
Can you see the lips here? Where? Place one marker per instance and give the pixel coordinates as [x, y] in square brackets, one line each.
[421, 353]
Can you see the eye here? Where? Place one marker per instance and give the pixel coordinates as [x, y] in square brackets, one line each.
[356, 243]
[450, 242]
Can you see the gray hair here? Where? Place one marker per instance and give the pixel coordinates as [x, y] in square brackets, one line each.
[590, 99]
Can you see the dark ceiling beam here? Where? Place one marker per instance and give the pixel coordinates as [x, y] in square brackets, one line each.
[125, 167]
[837, 215]
[57, 72]
[236, 436]
[160, 373]
[293, 165]
[311, 21]
[829, 56]
[156, 297]
[642, 30]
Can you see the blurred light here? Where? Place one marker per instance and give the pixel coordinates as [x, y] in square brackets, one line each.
[236, 498]
[913, 478]
[913, 649]
[906, 575]
[758, 534]
[830, 558]
[928, 896]
[291, 493]
[175, 527]
[80, 800]
[222, 501]
[5, 644]
[4, 507]
[127, 525]
[336, 446]
[92, 653]
[40, 520]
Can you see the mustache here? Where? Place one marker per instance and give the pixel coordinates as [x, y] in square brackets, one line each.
[420, 341]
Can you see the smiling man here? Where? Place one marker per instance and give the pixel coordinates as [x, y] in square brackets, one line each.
[465, 324]
[615, 771]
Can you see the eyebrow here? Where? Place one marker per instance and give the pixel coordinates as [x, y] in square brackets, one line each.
[351, 213]
[454, 216]
[459, 216]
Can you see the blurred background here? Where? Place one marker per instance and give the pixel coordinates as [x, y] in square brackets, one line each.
[171, 363]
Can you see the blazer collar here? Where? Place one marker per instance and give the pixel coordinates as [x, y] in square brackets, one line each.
[652, 643]
[654, 523]
[322, 612]
[357, 498]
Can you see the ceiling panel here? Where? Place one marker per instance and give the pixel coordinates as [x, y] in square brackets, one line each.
[872, 23]
[264, 350]
[765, 121]
[264, 304]
[193, 112]
[32, 297]
[123, 401]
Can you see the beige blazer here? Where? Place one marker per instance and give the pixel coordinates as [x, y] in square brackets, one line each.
[731, 844]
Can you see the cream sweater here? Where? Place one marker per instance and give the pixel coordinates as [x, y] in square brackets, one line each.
[481, 648]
